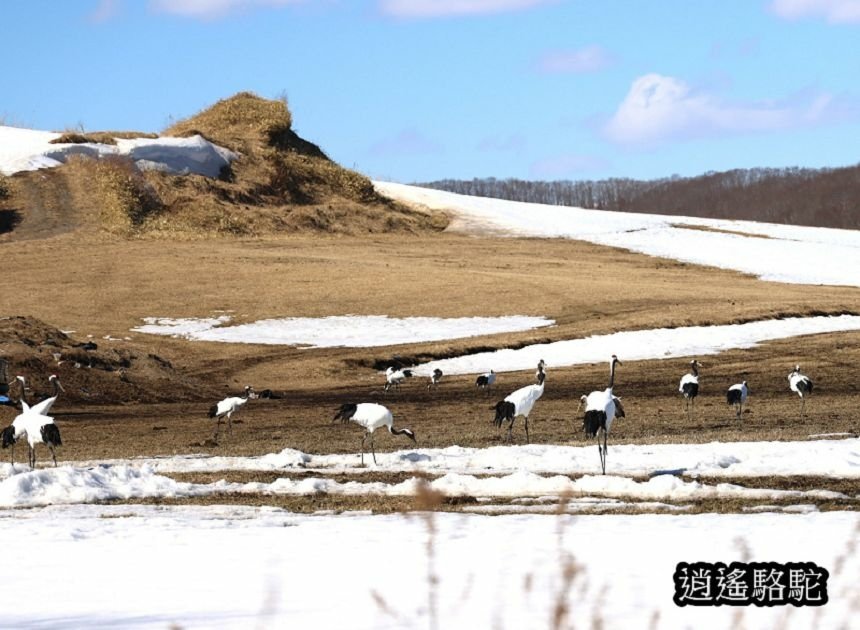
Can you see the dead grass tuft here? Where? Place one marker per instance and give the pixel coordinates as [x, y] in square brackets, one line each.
[99, 137]
[118, 193]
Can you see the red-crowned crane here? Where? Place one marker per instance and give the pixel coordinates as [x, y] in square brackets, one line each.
[227, 407]
[519, 403]
[486, 380]
[737, 396]
[689, 387]
[395, 377]
[601, 408]
[39, 429]
[371, 416]
[435, 378]
[541, 367]
[801, 384]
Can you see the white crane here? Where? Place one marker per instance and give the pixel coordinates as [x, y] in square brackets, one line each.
[435, 378]
[519, 403]
[486, 380]
[801, 384]
[227, 407]
[737, 396]
[689, 387]
[371, 416]
[601, 408]
[395, 377]
[37, 426]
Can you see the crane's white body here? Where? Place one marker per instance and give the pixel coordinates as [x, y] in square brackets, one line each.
[743, 389]
[30, 423]
[486, 380]
[435, 378]
[737, 394]
[227, 407]
[519, 403]
[801, 385]
[601, 408]
[687, 379]
[371, 416]
[395, 377]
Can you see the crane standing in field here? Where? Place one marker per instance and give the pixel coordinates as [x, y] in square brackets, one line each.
[601, 408]
[520, 403]
[227, 407]
[35, 423]
[801, 384]
[689, 387]
[371, 416]
[435, 378]
[486, 380]
[737, 395]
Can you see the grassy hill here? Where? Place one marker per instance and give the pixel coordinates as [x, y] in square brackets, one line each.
[280, 183]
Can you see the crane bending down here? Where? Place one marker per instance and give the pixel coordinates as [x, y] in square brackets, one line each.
[737, 396]
[689, 387]
[801, 384]
[519, 403]
[371, 416]
[395, 377]
[227, 407]
[601, 408]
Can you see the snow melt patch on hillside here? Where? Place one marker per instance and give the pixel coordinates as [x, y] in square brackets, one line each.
[352, 331]
[29, 150]
[795, 254]
[657, 343]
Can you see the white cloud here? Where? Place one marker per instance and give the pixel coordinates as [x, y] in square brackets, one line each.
[834, 11]
[588, 59]
[104, 11]
[659, 108]
[442, 8]
[211, 9]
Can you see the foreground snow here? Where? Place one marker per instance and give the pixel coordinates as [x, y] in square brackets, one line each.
[230, 567]
[796, 254]
[505, 471]
[352, 331]
[29, 150]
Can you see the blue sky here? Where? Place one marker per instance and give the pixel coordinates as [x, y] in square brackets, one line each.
[415, 90]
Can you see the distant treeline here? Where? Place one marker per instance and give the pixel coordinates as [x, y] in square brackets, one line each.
[800, 196]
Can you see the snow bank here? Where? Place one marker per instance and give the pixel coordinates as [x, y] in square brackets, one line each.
[227, 567]
[795, 254]
[352, 331]
[658, 343]
[28, 150]
[825, 458]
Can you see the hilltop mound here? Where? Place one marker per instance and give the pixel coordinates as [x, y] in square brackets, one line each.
[279, 183]
[91, 372]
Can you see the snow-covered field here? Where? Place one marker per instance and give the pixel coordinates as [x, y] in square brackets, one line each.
[353, 331]
[788, 253]
[232, 567]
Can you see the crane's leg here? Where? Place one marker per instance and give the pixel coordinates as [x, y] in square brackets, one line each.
[510, 430]
[53, 454]
[217, 429]
[802, 405]
[605, 449]
[363, 438]
[527, 429]
[692, 408]
[230, 423]
[372, 449]
[32, 454]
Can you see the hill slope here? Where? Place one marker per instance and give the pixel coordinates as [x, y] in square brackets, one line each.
[280, 183]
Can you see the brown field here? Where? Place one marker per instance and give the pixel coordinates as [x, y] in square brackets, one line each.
[76, 279]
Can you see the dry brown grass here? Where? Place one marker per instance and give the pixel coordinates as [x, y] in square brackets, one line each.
[99, 137]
